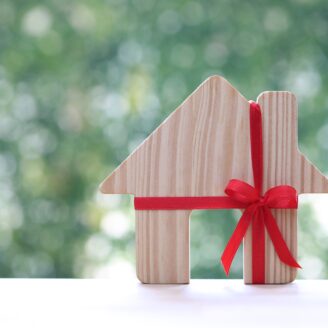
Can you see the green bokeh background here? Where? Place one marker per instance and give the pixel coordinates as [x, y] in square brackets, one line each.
[83, 82]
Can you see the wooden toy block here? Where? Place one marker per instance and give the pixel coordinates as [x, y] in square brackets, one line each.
[195, 152]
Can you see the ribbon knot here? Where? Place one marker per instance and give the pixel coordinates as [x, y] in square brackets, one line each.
[261, 202]
[257, 212]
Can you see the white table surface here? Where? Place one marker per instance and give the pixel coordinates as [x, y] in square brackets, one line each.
[209, 303]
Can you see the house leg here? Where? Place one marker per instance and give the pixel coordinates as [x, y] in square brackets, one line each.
[162, 244]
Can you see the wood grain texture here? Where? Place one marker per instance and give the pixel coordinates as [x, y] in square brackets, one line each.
[162, 239]
[195, 152]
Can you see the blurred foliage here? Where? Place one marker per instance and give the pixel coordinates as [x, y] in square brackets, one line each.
[82, 82]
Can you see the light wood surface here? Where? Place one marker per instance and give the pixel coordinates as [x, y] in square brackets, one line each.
[203, 144]
[162, 240]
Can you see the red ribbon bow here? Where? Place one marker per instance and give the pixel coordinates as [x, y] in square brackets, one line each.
[258, 213]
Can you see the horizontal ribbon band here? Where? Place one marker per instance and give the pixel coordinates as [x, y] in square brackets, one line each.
[186, 203]
[277, 197]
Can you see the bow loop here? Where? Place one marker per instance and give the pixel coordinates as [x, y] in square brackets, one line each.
[242, 192]
[282, 196]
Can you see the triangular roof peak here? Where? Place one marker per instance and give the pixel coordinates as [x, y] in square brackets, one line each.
[205, 142]
[214, 89]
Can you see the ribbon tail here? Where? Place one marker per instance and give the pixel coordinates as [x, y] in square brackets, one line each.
[258, 247]
[278, 241]
[235, 240]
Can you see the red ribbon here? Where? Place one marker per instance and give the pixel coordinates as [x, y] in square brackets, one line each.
[242, 195]
[258, 213]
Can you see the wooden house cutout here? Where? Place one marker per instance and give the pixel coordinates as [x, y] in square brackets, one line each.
[203, 144]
